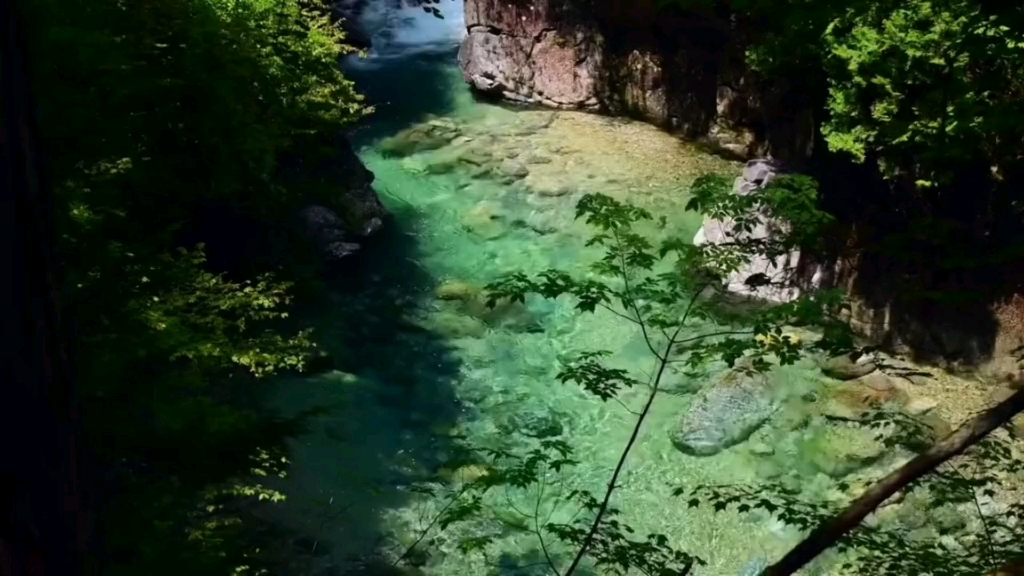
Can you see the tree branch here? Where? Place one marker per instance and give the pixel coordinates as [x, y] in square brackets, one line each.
[827, 534]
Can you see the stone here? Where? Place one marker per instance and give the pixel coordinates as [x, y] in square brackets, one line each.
[483, 220]
[855, 399]
[937, 426]
[337, 226]
[1017, 427]
[554, 191]
[725, 414]
[838, 451]
[441, 166]
[513, 169]
[845, 367]
[758, 172]
[761, 449]
[327, 232]
[498, 64]
[512, 316]
[563, 73]
[450, 324]
[476, 157]
[538, 424]
[420, 138]
[535, 158]
[470, 473]
[456, 290]
[920, 405]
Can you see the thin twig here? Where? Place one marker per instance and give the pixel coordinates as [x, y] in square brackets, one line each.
[989, 552]
[430, 526]
[536, 526]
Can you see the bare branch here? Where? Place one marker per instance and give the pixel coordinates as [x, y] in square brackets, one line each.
[828, 533]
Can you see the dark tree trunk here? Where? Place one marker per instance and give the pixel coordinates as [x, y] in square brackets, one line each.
[43, 521]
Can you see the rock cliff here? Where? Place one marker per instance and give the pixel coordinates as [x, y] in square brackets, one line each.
[682, 71]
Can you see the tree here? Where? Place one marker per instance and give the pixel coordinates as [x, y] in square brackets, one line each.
[150, 114]
[45, 521]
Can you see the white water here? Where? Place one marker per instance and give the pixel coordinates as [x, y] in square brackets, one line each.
[397, 29]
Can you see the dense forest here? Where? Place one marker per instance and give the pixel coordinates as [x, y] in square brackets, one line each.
[152, 116]
[157, 116]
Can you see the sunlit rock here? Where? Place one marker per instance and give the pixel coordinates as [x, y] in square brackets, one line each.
[856, 399]
[845, 367]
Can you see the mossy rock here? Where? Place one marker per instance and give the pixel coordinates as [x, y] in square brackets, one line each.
[457, 290]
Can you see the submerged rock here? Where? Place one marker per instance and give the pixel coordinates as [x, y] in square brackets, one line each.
[534, 423]
[456, 290]
[451, 324]
[838, 451]
[420, 138]
[725, 414]
[484, 221]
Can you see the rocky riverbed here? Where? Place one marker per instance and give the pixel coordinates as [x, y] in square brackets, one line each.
[427, 369]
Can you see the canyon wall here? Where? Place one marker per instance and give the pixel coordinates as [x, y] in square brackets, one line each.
[681, 71]
[686, 73]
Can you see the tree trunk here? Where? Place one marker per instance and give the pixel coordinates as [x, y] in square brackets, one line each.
[43, 523]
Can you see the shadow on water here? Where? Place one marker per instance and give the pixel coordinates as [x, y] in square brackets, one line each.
[387, 405]
[405, 89]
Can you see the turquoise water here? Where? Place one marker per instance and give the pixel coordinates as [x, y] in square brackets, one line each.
[421, 360]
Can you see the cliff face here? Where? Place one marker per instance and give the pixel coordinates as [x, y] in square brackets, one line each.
[684, 72]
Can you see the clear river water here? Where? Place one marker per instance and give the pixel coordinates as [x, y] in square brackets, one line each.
[425, 368]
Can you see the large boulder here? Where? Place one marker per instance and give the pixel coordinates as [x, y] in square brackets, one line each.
[342, 209]
[780, 273]
[725, 414]
[682, 70]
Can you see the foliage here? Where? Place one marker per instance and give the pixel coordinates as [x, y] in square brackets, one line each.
[663, 289]
[930, 91]
[925, 86]
[152, 113]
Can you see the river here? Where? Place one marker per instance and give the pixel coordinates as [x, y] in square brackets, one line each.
[426, 370]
